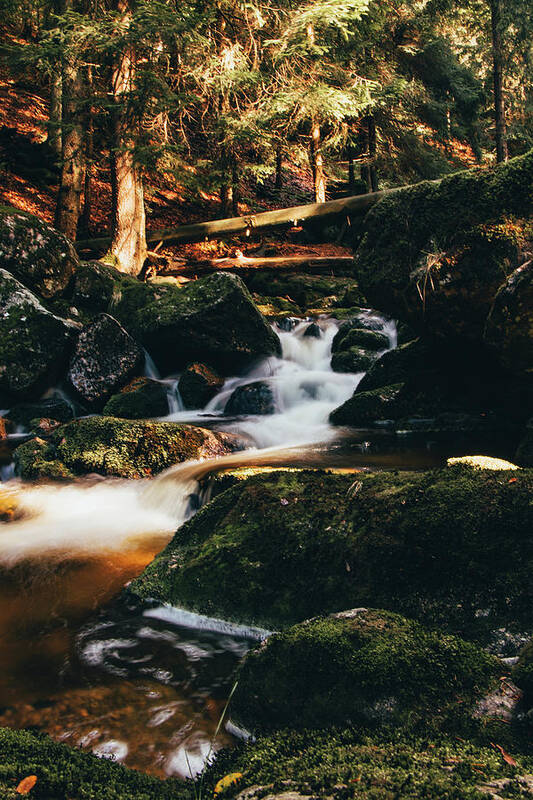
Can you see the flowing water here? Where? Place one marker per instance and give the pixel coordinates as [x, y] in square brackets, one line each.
[144, 684]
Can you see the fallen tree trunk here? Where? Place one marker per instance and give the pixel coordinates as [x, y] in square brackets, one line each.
[307, 263]
[222, 228]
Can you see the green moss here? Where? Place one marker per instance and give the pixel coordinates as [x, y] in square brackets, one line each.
[140, 399]
[109, 446]
[353, 359]
[63, 772]
[347, 764]
[367, 407]
[361, 667]
[306, 291]
[349, 335]
[451, 547]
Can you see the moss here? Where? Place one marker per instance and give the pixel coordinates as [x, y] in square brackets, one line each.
[198, 384]
[35, 253]
[361, 667]
[353, 359]
[348, 763]
[63, 772]
[34, 344]
[95, 286]
[451, 547]
[349, 335]
[367, 407]
[305, 291]
[436, 254]
[109, 446]
[142, 398]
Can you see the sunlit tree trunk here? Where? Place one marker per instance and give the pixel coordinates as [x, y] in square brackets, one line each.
[85, 220]
[497, 75]
[317, 165]
[372, 151]
[129, 222]
[55, 112]
[351, 169]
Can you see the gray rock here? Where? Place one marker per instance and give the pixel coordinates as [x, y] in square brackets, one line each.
[254, 398]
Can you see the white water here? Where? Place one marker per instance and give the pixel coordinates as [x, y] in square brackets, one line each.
[114, 515]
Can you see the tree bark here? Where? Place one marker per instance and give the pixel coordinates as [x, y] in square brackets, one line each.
[351, 169]
[85, 220]
[128, 244]
[372, 151]
[235, 188]
[55, 112]
[497, 76]
[68, 205]
[317, 165]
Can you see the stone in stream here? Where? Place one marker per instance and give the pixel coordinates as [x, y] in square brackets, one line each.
[38, 255]
[253, 398]
[124, 448]
[104, 359]
[353, 359]
[313, 330]
[359, 667]
[450, 547]
[56, 408]
[351, 335]
[142, 398]
[34, 343]
[198, 385]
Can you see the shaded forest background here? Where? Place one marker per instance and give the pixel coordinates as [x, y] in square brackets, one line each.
[121, 114]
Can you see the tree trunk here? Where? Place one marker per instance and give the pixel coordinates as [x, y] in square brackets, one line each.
[235, 191]
[70, 190]
[279, 169]
[372, 149]
[497, 76]
[55, 112]
[317, 165]
[85, 220]
[128, 244]
[351, 169]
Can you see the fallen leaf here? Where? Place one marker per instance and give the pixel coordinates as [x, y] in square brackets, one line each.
[513, 480]
[227, 780]
[26, 784]
[506, 757]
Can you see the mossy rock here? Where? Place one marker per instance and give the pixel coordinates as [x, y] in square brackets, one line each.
[364, 408]
[349, 763]
[213, 319]
[95, 285]
[350, 335]
[142, 398]
[436, 254]
[509, 328]
[38, 255]
[56, 408]
[198, 384]
[34, 343]
[306, 291]
[452, 547]
[63, 772]
[353, 359]
[360, 667]
[109, 446]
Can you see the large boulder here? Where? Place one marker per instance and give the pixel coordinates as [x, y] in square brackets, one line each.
[435, 255]
[452, 547]
[213, 320]
[35, 253]
[34, 343]
[198, 385]
[109, 446]
[95, 284]
[359, 667]
[104, 360]
[56, 408]
[142, 398]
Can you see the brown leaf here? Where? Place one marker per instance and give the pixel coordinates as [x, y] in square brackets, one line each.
[26, 784]
[506, 757]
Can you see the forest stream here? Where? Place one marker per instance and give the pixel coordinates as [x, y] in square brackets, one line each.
[147, 684]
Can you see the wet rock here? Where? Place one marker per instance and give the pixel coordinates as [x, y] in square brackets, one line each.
[350, 335]
[142, 398]
[198, 385]
[287, 324]
[367, 407]
[283, 546]
[109, 446]
[253, 398]
[353, 359]
[56, 408]
[104, 359]
[359, 667]
[34, 343]
[95, 286]
[313, 330]
[35, 253]
[213, 319]
[509, 328]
